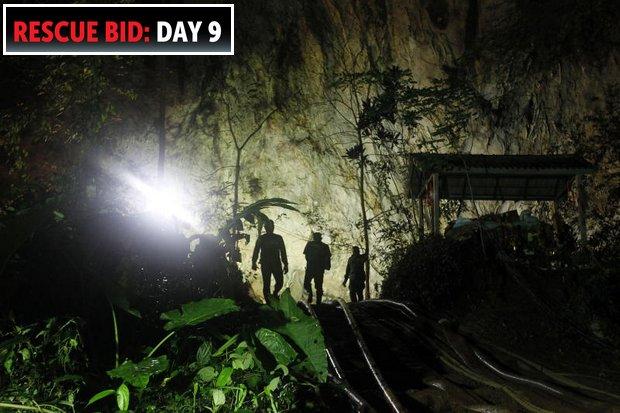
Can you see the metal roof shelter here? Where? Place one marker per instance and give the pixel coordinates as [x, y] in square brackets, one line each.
[496, 177]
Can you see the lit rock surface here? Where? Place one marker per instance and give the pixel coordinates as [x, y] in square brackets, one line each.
[286, 53]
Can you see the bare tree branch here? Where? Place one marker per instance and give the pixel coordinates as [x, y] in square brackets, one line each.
[258, 128]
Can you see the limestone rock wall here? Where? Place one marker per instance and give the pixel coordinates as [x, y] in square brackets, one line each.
[286, 54]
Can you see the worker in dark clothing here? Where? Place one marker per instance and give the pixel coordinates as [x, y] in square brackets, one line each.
[318, 259]
[272, 258]
[356, 275]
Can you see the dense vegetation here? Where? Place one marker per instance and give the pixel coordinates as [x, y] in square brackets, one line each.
[255, 357]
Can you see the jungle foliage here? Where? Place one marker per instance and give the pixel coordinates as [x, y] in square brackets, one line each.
[391, 115]
[99, 352]
[273, 359]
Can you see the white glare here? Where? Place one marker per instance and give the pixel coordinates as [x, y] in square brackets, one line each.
[163, 200]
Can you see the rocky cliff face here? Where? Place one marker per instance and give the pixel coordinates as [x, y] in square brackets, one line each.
[287, 52]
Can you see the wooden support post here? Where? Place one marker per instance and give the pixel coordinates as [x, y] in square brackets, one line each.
[581, 206]
[435, 178]
[421, 216]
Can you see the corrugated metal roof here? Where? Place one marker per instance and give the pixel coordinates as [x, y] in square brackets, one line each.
[497, 177]
[441, 163]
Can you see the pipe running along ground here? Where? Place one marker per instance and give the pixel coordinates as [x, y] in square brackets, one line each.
[558, 393]
[339, 378]
[372, 365]
[486, 362]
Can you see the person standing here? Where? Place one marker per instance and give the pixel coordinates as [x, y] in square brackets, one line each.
[273, 258]
[318, 259]
[356, 275]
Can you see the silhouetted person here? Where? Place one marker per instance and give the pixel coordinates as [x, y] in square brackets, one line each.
[356, 275]
[318, 259]
[272, 257]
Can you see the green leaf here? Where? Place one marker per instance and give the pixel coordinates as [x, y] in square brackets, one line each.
[289, 307]
[277, 345]
[203, 355]
[8, 363]
[247, 361]
[225, 377]
[308, 337]
[219, 398]
[122, 398]
[283, 368]
[252, 212]
[197, 312]
[305, 332]
[243, 362]
[272, 386]
[207, 374]
[25, 353]
[252, 380]
[101, 395]
[226, 345]
[138, 375]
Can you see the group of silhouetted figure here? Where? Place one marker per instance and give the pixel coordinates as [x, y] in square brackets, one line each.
[274, 262]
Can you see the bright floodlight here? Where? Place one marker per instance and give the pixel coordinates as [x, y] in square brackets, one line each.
[163, 200]
[166, 202]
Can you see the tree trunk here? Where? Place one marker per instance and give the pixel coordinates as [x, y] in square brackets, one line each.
[235, 206]
[581, 207]
[234, 254]
[436, 210]
[364, 216]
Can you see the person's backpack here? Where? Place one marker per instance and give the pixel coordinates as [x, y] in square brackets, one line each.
[327, 257]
